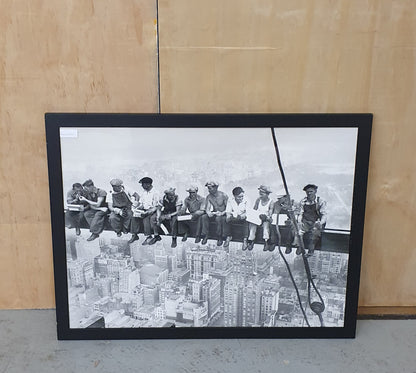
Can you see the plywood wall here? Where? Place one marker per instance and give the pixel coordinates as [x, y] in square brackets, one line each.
[75, 55]
[313, 56]
[216, 56]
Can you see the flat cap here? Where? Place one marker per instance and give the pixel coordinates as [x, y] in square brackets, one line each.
[313, 186]
[212, 183]
[88, 182]
[146, 180]
[116, 182]
[265, 189]
[170, 191]
[192, 188]
[280, 193]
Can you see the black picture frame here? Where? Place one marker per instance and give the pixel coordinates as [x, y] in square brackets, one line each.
[74, 123]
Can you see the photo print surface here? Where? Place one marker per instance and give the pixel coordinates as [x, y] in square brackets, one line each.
[194, 227]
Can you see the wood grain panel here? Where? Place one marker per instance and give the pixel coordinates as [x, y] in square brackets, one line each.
[310, 56]
[233, 56]
[313, 56]
[388, 276]
[402, 312]
[26, 266]
[79, 56]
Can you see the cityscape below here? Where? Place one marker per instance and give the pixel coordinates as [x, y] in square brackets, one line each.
[113, 284]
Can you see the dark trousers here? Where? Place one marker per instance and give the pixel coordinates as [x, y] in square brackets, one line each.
[119, 223]
[185, 226]
[96, 220]
[172, 224]
[149, 225]
[288, 236]
[275, 236]
[232, 220]
[73, 219]
[219, 222]
[311, 234]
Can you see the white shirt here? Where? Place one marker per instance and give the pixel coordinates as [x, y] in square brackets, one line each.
[264, 209]
[236, 209]
[149, 199]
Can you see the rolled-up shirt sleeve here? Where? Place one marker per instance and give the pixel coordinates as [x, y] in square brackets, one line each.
[109, 197]
[323, 211]
[101, 193]
[156, 200]
[70, 197]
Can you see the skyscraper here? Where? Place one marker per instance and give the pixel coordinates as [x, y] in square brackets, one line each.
[269, 303]
[75, 273]
[233, 294]
[180, 276]
[88, 274]
[151, 274]
[214, 296]
[207, 290]
[172, 262]
[197, 289]
[171, 305]
[244, 263]
[161, 260]
[336, 262]
[201, 262]
[150, 295]
[71, 252]
[251, 303]
[129, 278]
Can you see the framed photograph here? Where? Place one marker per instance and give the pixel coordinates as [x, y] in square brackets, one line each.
[207, 225]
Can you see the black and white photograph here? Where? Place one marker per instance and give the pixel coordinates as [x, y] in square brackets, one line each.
[207, 227]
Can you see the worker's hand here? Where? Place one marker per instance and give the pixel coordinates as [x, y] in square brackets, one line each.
[318, 225]
[117, 210]
[263, 217]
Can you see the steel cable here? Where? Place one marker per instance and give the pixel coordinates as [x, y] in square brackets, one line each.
[316, 307]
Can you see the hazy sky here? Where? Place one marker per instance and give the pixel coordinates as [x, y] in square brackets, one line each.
[323, 156]
[329, 145]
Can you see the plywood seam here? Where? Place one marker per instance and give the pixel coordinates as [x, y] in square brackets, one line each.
[221, 48]
[158, 56]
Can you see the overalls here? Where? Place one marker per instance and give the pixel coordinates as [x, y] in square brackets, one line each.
[309, 218]
[118, 222]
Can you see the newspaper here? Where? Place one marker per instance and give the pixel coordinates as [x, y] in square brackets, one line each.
[72, 207]
[253, 216]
